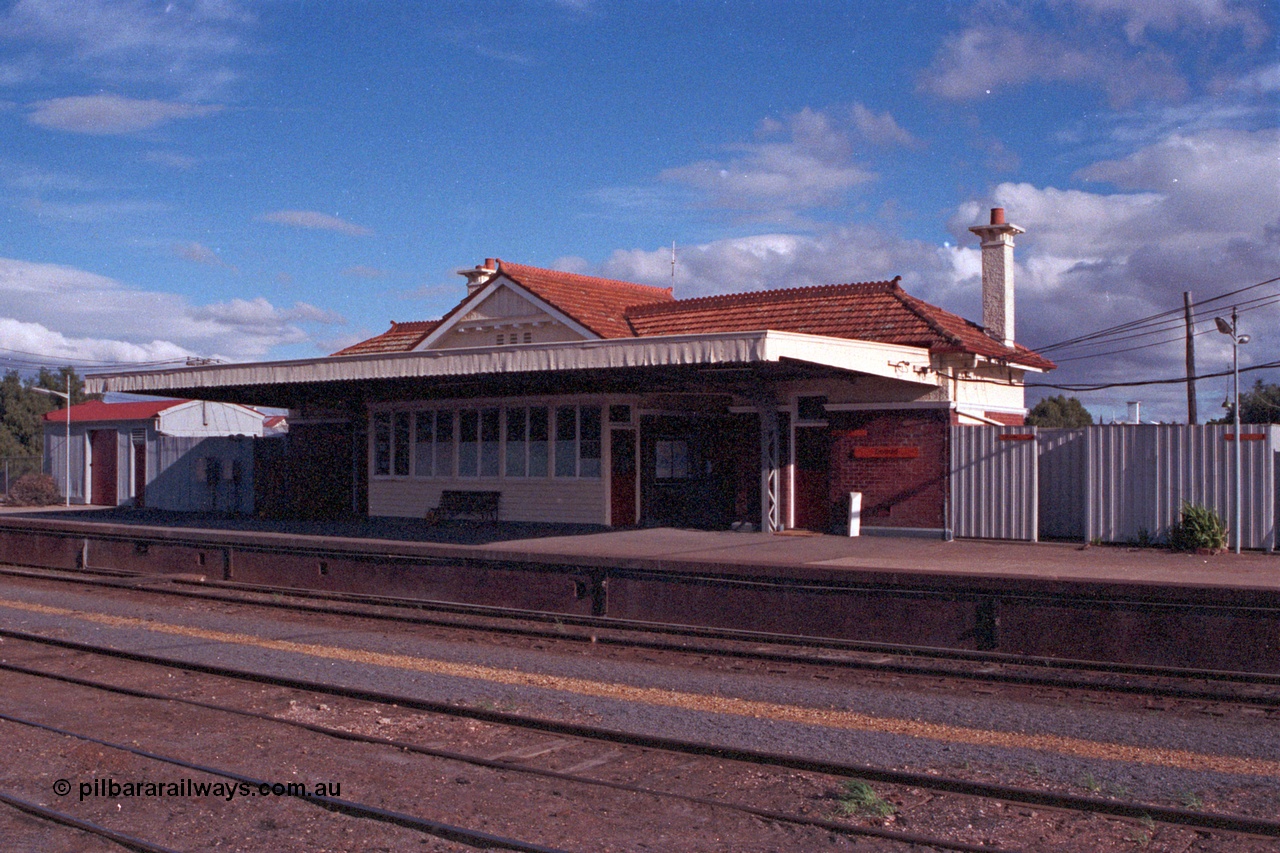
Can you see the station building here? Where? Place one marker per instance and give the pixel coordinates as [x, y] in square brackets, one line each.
[588, 400]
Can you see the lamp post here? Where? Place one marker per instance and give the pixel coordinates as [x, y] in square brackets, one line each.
[1232, 331]
[66, 450]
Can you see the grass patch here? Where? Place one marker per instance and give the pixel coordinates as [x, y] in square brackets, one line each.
[861, 799]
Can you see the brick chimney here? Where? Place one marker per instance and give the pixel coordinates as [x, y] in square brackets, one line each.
[997, 275]
[479, 277]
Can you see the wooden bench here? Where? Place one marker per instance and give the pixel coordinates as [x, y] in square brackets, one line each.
[456, 504]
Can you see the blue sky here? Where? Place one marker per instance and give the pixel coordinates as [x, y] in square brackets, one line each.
[277, 179]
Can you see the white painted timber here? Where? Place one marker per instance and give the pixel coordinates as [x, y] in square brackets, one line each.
[892, 361]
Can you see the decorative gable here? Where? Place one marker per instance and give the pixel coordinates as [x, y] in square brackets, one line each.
[502, 313]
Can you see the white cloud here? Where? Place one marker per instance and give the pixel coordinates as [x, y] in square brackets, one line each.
[988, 59]
[805, 162]
[199, 253]
[1130, 50]
[51, 346]
[770, 261]
[315, 220]
[79, 305]
[1197, 211]
[112, 114]
[881, 128]
[1219, 181]
[185, 43]
[1197, 16]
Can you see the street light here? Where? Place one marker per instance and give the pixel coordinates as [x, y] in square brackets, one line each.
[66, 450]
[1231, 330]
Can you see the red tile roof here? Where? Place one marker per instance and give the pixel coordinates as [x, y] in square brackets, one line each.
[874, 311]
[96, 410]
[401, 337]
[600, 304]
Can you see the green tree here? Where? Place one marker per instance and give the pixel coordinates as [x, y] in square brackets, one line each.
[22, 410]
[1059, 411]
[1260, 405]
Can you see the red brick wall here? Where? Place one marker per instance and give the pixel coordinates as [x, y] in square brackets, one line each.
[896, 492]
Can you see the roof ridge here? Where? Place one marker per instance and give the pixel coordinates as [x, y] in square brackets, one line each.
[889, 286]
[512, 266]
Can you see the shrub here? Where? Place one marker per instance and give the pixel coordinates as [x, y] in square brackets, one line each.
[34, 490]
[1198, 529]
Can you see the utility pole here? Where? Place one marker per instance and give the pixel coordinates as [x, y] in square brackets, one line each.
[1191, 359]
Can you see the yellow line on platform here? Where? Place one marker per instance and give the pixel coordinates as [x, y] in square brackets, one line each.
[837, 719]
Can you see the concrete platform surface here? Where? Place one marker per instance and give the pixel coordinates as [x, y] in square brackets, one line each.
[1068, 563]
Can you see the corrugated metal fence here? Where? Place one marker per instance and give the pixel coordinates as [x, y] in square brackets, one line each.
[1120, 483]
[203, 474]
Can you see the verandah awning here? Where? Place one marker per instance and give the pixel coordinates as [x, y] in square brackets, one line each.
[892, 361]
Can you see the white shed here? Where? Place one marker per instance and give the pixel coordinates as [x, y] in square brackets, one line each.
[167, 454]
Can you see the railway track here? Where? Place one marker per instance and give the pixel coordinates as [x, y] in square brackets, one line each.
[512, 763]
[949, 794]
[1197, 686]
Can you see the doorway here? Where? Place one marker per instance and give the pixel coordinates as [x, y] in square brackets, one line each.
[140, 474]
[103, 469]
[622, 477]
[812, 482]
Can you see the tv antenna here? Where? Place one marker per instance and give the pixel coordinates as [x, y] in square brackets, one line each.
[673, 264]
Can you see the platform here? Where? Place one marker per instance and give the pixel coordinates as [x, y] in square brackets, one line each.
[1133, 604]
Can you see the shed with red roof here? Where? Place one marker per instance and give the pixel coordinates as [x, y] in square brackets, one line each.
[166, 454]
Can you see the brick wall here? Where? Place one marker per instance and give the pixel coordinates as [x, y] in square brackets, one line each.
[1006, 418]
[898, 460]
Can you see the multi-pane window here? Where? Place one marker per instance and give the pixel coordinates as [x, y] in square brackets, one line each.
[382, 443]
[489, 432]
[433, 451]
[468, 443]
[539, 441]
[424, 445]
[577, 441]
[671, 460]
[474, 443]
[526, 454]
[589, 445]
[517, 464]
[444, 444]
[400, 443]
[566, 441]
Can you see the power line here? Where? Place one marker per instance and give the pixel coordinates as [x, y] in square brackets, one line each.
[1143, 322]
[86, 362]
[1180, 380]
[1180, 336]
[1168, 325]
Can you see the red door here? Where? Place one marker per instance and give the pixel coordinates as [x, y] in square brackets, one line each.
[102, 469]
[622, 492]
[813, 503]
[140, 475]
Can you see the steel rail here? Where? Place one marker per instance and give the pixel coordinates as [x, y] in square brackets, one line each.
[514, 766]
[129, 842]
[1009, 793]
[913, 659]
[351, 808]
